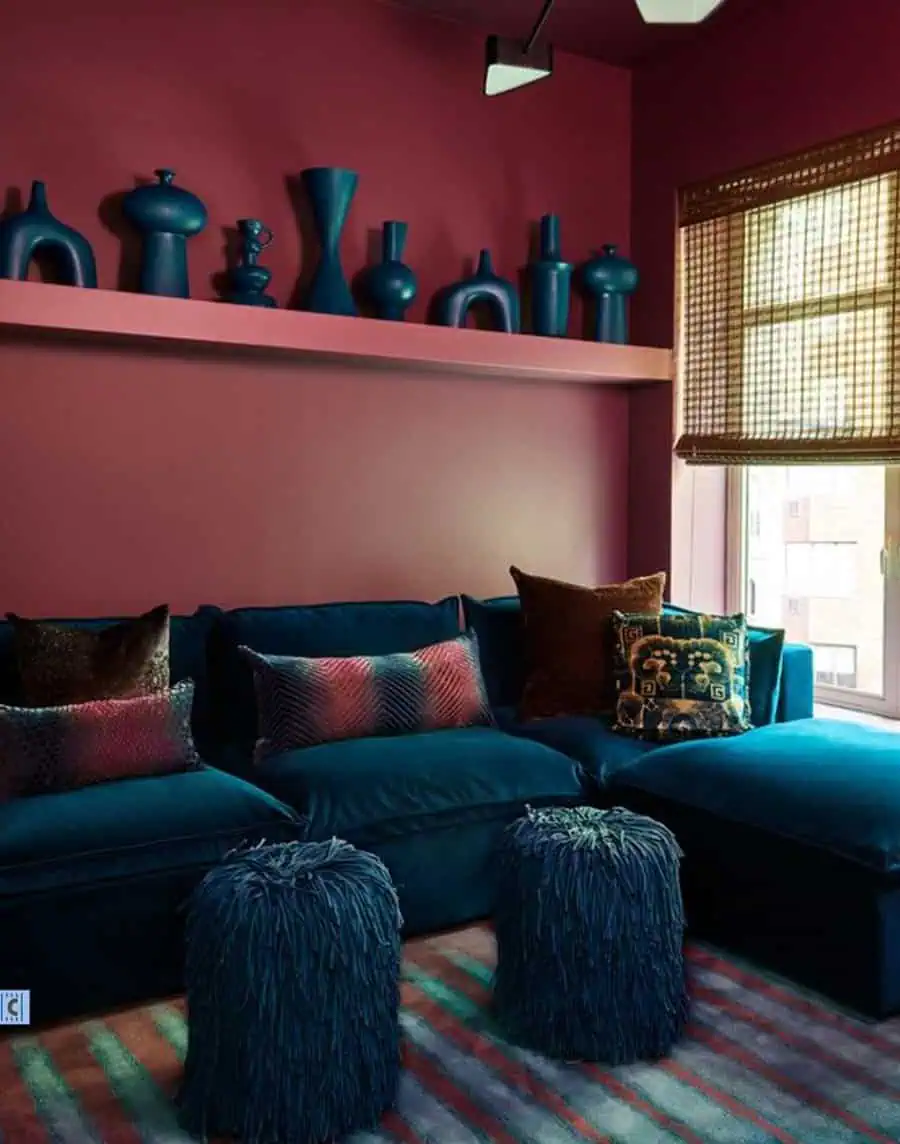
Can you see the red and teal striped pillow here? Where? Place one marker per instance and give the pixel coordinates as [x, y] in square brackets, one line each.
[302, 702]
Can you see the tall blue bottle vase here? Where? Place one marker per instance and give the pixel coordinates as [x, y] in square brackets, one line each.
[451, 305]
[390, 286]
[34, 231]
[551, 283]
[609, 279]
[167, 216]
[330, 191]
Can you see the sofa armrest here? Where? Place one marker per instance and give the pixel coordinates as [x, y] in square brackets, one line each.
[795, 699]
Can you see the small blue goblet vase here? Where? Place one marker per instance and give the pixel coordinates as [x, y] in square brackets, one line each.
[330, 191]
[551, 283]
[390, 285]
[247, 281]
[610, 279]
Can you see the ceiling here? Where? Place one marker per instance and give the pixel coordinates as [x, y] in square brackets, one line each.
[608, 30]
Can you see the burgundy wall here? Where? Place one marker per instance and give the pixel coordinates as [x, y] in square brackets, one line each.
[767, 79]
[128, 477]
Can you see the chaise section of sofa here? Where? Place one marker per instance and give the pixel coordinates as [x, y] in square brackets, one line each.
[433, 806]
[93, 882]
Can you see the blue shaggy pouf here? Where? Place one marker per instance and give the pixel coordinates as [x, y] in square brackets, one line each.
[292, 981]
[589, 928]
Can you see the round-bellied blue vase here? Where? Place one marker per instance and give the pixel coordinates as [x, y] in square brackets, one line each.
[330, 191]
[610, 279]
[452, 304]
[248, 280]
[551, 283]
[390, 285]
[167, 216]
[35, 230]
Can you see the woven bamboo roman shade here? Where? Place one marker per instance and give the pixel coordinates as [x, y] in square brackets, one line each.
[789, 324]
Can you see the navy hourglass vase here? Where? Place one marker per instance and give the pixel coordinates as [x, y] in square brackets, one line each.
[330, 191]
[248, 280]
[610, 279]
[551, 283]
[390, 285]
[451, 305]
[167, 216]
[34, 231]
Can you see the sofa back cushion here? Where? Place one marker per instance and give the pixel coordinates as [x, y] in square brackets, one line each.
[312, 631]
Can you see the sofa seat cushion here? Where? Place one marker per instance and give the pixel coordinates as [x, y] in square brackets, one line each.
[132, 828]
[590, 740]
[832, 784]
[367, 790]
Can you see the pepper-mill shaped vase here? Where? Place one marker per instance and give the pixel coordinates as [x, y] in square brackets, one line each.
[167, 216]
[551, 283]
[330, 191]
[390, 285]
[34, 231]
[451, 306]
[610, 279]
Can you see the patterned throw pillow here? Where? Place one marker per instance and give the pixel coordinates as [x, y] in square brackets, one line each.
[302, 702]
[64, 665]
[681, 676]
[49, 749]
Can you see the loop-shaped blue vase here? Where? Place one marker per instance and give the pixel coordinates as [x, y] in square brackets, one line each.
[330, 191]
[35, 230]
[390, 286]
[167, 216]
[551, 283]
[452, 304]
[610, 279]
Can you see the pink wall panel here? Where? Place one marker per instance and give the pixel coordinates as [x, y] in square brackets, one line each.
[130, 477]
[771, 79]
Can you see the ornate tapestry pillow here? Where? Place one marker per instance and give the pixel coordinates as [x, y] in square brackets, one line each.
[568, 641]
[49, 749]
[64, 665]
[302, 702]
[681, 676]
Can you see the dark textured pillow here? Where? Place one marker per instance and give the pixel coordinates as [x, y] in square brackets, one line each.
[61, 665]
[569, 644]
[682, 676]
[302, 702]
[49, 749]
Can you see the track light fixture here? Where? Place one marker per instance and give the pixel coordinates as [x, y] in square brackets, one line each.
[676, 11]
[511, 63]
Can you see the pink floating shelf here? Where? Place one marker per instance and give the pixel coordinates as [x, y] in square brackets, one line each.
[112, 317]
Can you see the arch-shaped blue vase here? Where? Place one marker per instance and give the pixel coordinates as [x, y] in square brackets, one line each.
[330, 191]
[34, 231]
[452, 304]
[390, 285]
[551, 283]
[610, 279]
[167, 216]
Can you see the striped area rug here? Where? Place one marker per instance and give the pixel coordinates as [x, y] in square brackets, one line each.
[762, 1061]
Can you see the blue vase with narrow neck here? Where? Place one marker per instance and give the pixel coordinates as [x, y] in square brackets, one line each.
[390, 285]
[551, 282]
[167, 216]
[452, 304]
[34, 231]
[610, 280]
[330, 191]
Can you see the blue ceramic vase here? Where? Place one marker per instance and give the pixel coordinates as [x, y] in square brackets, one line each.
[610, 279]
[167, 216]
[390, 285]
[35, 230]
[330, 191]
[248, 280]
[452, 304]
[551, 284]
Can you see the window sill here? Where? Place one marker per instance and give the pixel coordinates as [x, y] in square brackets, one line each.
[825, 711]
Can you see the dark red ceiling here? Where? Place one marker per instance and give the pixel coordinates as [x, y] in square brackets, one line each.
[609, 30]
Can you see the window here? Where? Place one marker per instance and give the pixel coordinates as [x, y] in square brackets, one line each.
[821, 569]
[835, 664]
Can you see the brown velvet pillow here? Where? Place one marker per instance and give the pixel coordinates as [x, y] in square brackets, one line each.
[569, 641]
[62, 665]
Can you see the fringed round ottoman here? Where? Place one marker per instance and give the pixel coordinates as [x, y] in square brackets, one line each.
[589, 927]
[292, 979]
